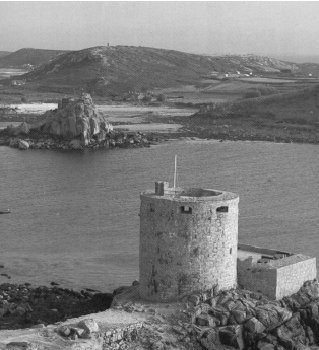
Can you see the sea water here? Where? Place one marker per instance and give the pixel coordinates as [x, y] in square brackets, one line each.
[74, 215]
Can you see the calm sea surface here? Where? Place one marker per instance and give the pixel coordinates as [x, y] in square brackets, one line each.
[75, 217]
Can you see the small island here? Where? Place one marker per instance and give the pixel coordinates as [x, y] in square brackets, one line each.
[75, 125]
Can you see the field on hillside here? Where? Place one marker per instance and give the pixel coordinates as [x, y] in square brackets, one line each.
[124, 117]
[207, 91]
[21, 94]
[260, 107]
[8, 72]
[217, 91]
[141, 74]
[117, 72]
[267, 80]
[281, 117]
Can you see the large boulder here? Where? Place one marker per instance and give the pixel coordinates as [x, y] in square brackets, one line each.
[23, 145]
[209, 339]
[89, 326]
[307, 293]
[13, 142]
[272, 316]
[291, 334]
[75, 119]
[23, 128]
[254, 326]
[75, 144]
[232, 336]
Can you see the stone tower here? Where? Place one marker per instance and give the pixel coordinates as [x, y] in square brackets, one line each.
[188, 241]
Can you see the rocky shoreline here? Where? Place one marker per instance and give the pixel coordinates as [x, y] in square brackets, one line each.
[114, 139]
[245, 320]
[133, 140]
[75, 125]
[235, 319]
[241, 128]
[24, 306]
[261, 135]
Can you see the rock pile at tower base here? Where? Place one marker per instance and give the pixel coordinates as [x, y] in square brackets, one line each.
[235, 319]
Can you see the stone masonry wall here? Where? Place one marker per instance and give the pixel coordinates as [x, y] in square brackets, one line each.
[182, 252]
[290, 278]
[276, 281]
[257, 278]
[115, 338]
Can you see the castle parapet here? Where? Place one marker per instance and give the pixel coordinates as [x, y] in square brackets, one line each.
[161, 188]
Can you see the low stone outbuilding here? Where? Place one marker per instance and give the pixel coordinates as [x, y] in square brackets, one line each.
[274, 273]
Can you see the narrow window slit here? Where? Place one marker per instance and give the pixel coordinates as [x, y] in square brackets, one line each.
[186, 209]
[222, 210]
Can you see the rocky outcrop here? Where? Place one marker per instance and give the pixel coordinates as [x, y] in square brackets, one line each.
[246, 320]
[235, 319]
[239, 319]
[114, 139]
[23, 145]
[24, 306]
[76, 119]
[75, 144]
[83, 329]
[73, 126]
[22, 129]
[111, 330]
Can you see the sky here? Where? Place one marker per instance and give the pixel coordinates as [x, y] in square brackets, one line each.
[212, 27]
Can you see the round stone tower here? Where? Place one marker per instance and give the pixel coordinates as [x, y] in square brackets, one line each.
[188, 241]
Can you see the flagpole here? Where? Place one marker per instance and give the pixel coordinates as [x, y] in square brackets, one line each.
[175, 171]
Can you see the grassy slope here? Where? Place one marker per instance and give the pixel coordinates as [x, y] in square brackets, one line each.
[4, 53]
[291, 116]
[28, 56]
[301, 106]
[118, 69]
[284, 117]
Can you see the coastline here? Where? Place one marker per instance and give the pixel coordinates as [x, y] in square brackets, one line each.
[162, 123]
[234, 319]
[49, 142]
[137, 140]
[190, 137]
[24, 306]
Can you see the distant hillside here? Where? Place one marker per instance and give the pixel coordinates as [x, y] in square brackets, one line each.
[298, 58]
[115, 70]
[118, 69]
[33, 57]
[263, 64]
[294, 107]
[299, 106]
[286, 117]
[4, 53]
[252, 63]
